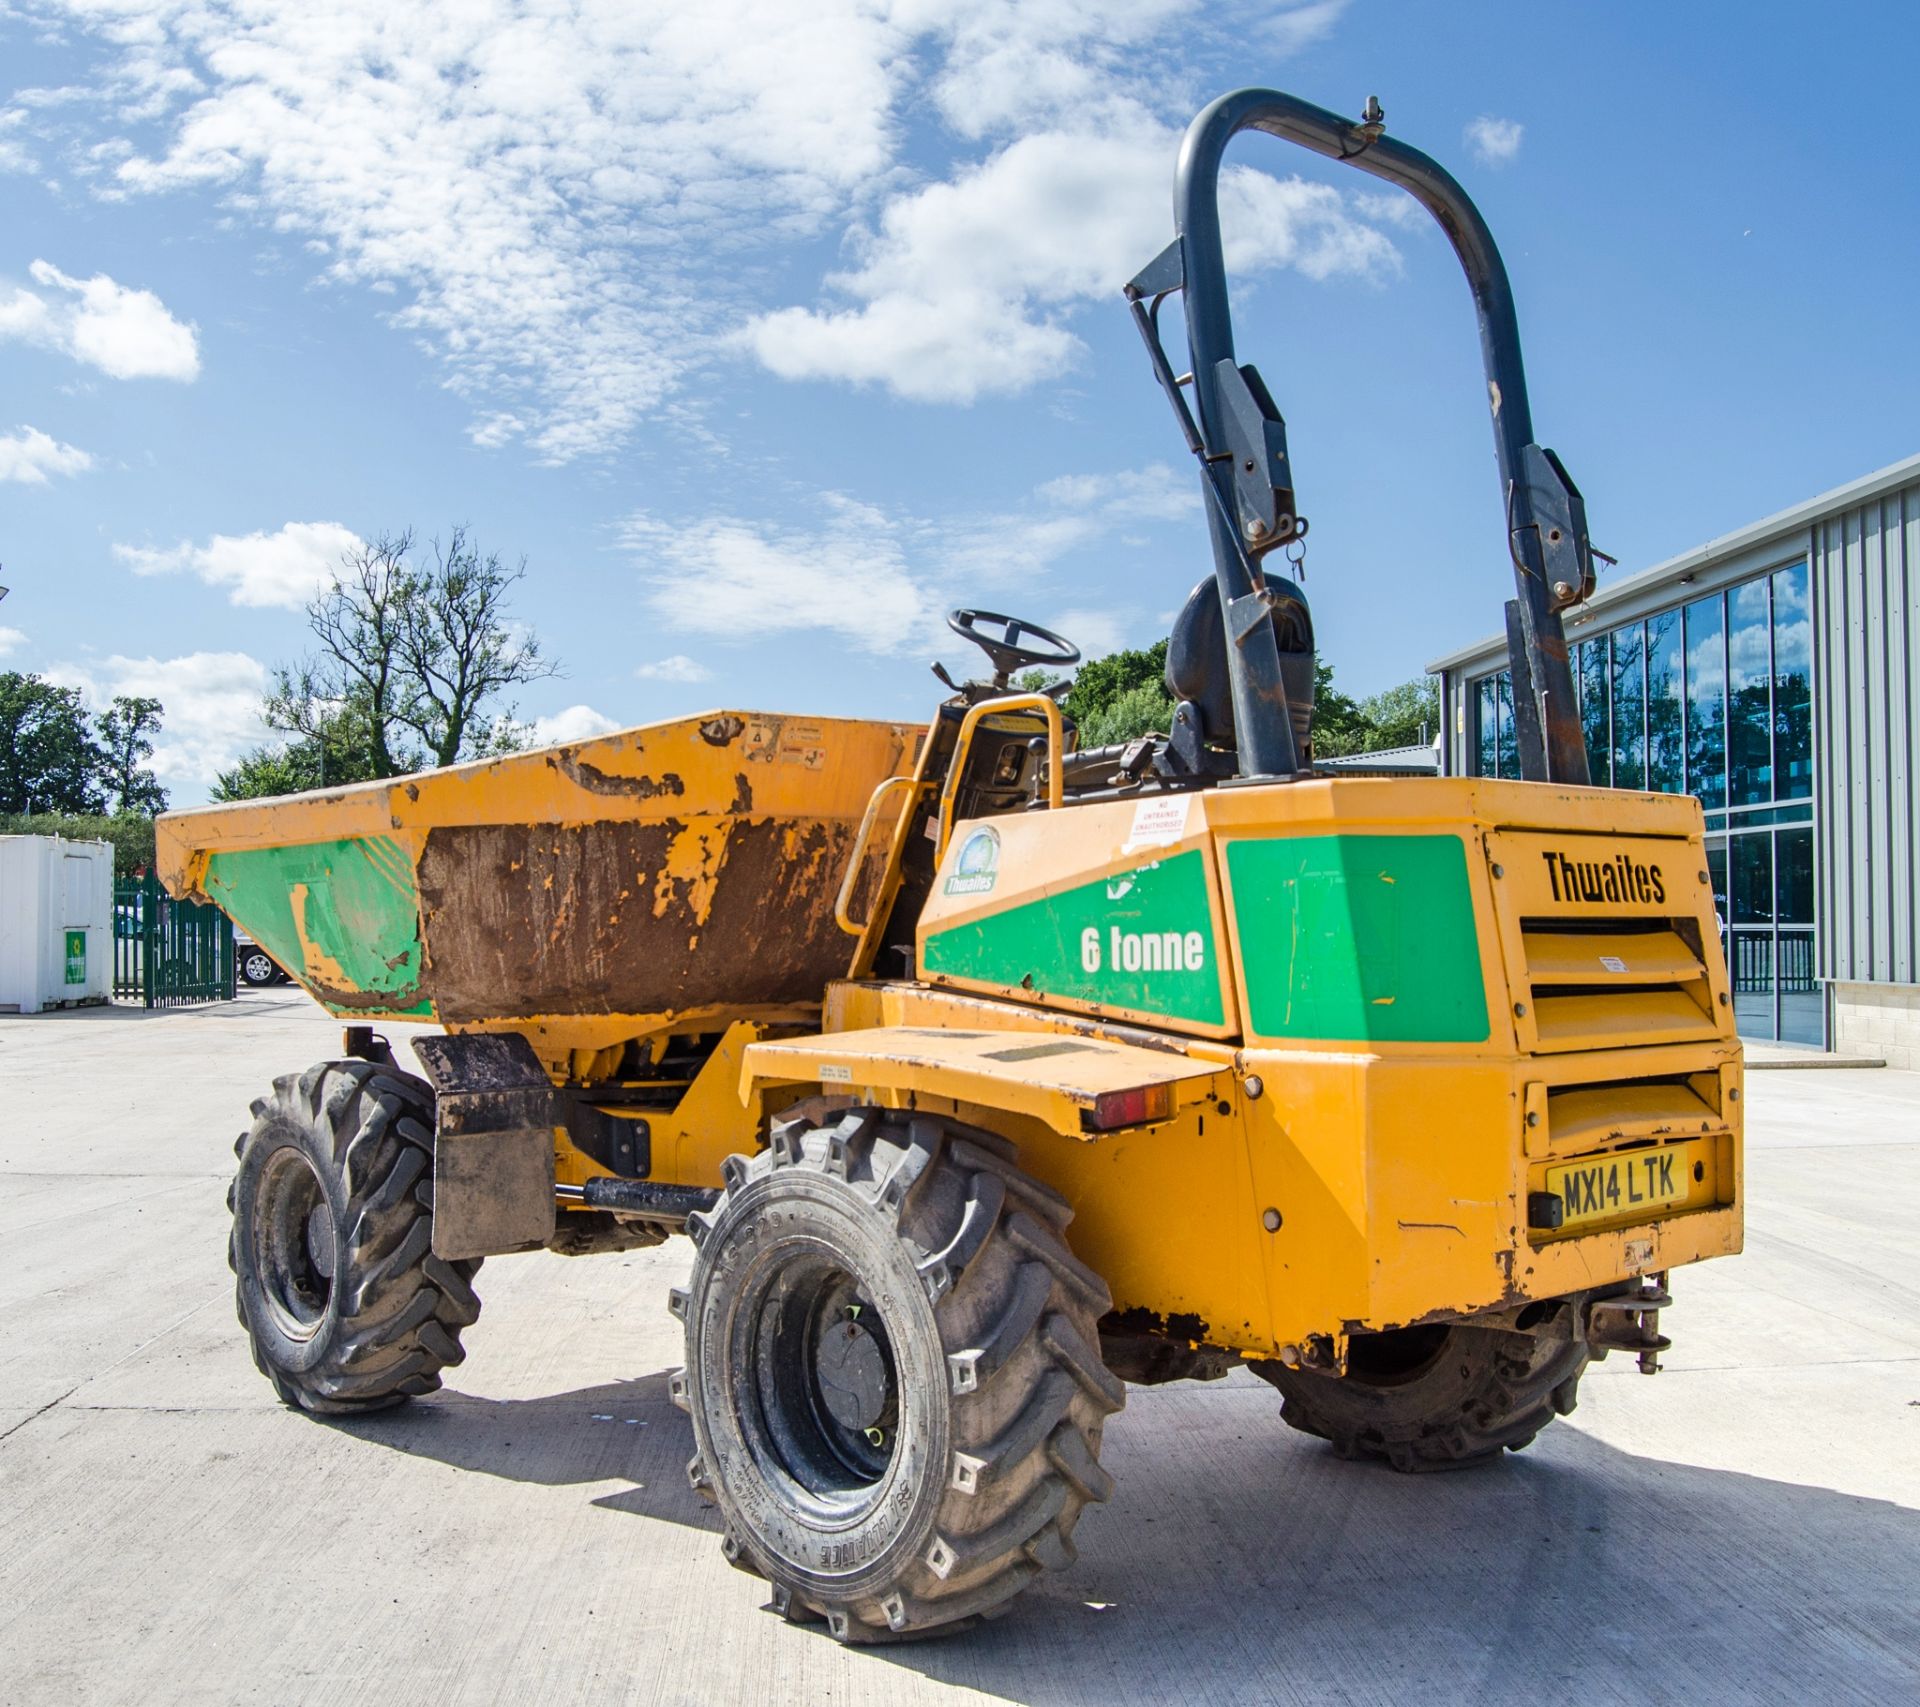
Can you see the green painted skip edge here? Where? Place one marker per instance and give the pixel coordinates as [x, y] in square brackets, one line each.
[362, 911]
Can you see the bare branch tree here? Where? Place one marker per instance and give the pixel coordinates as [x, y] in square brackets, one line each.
[410, 661]
[458, 649]
[358, 621]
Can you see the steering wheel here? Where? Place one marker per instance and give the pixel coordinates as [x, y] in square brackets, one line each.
[1004, 651]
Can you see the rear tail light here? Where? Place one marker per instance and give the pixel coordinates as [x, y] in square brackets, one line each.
[1135, 1107]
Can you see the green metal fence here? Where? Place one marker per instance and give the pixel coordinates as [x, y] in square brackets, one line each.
[169, 953]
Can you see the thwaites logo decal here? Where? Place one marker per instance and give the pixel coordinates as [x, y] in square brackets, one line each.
[1619, 879]
[978, 867]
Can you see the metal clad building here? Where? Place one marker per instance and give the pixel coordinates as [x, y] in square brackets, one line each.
[1775, 674]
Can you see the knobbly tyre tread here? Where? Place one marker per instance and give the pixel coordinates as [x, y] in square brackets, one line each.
[1028, 1396]
[397, 1310]
[1502, 1385]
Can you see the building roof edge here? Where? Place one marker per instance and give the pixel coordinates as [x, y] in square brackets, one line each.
[1895, 475]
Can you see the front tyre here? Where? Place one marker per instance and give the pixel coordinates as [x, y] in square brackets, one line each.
[1444, 1396]
[893, 1373]
[346, 1305]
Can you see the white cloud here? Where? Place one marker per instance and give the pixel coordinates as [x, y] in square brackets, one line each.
[212, 702]
[728, 577]
[125, 333]
[1494, 141]
[966, 286]
[678, 668]
[1297, 24]
[533, 180]
[14, 154]
[880, 581]
[490, 432]
[29, 456]
[1156, 492]
[283, 569]
[576, 723]
[11, 640]
[1392, 207]
[568, 202]
[1012, 65]
[1095, 631]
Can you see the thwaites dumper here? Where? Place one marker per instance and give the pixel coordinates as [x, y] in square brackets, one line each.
[987, 1075]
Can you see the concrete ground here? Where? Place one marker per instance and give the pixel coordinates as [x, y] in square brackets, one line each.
[1744, 1529]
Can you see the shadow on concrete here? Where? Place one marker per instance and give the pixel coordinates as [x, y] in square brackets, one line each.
[248, 1002]
[1240, 1562]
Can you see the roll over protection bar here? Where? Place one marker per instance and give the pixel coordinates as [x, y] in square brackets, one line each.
[1240, 438]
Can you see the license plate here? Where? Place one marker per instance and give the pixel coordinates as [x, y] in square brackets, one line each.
[1631, 1186]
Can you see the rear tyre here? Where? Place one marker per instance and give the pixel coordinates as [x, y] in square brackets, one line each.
[1445, 1396]
[346, 1305]
[257, 968]
[893, 1373]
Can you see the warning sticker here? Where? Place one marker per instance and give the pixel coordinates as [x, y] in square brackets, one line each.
[1158, 821]
[1613, 963]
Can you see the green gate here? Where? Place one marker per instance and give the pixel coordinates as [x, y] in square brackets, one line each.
[169, 953]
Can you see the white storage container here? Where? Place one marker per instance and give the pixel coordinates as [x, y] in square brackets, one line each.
[56, 923]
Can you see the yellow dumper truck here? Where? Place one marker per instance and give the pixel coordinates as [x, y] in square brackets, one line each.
[988, 1074]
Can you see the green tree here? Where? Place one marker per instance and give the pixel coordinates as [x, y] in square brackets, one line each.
[126, 730]
[1339, 725]
[49, 761]
[1124, 695]
[1403, 716]
[1099, 683]
[1146, 709]
[336, 748]
[266, 771]
[1115, 698]
[132, 836]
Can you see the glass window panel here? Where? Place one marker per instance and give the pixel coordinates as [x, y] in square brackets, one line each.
[1706, 703]
[1752, 888]
[1749, 817]
[1717, 879]
[1749, 695]
[1793, 877]
[1629, 709]
[1486, 728]
[1593, 710]
[1507, 748]
[1666, 769]
[1792, 685]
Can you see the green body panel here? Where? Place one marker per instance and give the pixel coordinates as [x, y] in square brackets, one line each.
[1140, 939]
[1358, 938]
[343, 917]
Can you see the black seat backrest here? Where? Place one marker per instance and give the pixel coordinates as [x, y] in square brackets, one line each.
[1197, 660]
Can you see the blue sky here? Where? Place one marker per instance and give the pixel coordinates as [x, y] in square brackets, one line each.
[766, 333]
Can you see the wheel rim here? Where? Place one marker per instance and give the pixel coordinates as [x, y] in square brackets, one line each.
[822, 1415]
[257, 969]
[294, 1244]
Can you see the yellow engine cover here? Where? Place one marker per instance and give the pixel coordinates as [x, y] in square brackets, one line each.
[1478, 1034]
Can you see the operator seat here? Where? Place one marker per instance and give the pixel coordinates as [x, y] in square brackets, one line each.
[1197, 662]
